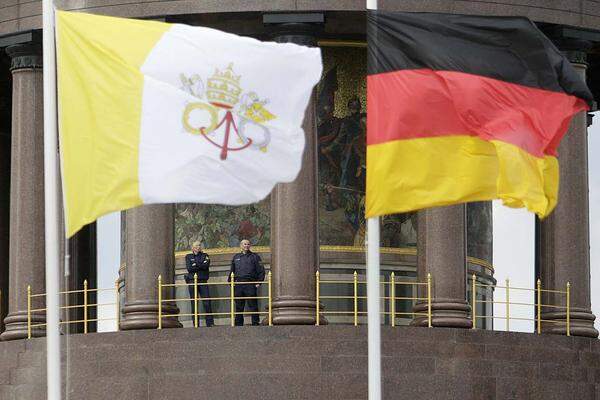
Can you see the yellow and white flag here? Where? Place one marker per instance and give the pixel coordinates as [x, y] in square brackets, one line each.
[151, 112]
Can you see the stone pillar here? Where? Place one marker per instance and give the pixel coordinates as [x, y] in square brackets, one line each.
[294, 218]
[5, 137]
[26, 259]
[4, 222]
[564, 241]
[149, 253]
[441, 244]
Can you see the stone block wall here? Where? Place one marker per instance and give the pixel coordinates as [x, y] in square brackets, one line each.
[22, 15]
[307, 362]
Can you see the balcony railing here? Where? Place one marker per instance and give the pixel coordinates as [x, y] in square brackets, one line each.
[391, 299]
[350, 307]
[231, 299]
[537, 305]
[85, 306]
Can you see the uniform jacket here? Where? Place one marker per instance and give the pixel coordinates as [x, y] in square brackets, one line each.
[197, 264]
[247, 267]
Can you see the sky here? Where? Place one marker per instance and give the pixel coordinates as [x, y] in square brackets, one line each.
[514, 236]
[109, 259]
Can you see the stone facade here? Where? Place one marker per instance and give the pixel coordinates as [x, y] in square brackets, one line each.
[294, 207]
[295, 362]
[329, 362]
[22, 15]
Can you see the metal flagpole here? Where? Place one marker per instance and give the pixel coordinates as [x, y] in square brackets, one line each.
[373, 309]
[51, 194]
[373, 288]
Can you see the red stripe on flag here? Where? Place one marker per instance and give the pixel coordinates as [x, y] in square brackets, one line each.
[425, 103]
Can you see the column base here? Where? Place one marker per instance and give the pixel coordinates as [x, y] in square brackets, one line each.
[16, 326]
[295, 311]
[581, 323]
[145, 316]
[448, 313]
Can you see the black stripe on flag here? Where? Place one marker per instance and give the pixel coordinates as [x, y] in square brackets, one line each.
[511, 49]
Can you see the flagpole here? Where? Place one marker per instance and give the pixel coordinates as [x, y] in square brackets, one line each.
[51, 194]
[373, 299]
[373, 304]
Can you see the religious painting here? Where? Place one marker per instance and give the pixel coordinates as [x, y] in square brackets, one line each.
[217, 226]
[342, 128]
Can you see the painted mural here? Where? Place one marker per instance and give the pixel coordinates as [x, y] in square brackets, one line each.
[341, 126]
[222, 226]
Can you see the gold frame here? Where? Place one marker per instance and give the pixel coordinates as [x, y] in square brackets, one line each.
[409, 251]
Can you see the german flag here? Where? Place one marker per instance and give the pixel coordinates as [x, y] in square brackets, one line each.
[465, 108]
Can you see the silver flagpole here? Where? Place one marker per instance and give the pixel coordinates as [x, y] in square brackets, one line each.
[373, 304]
[51, 194]
[373, 286]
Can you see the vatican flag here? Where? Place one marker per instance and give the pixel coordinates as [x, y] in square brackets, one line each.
[151, 112]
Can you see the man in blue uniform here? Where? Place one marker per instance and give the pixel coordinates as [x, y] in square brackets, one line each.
[246, 267]
[198, 262]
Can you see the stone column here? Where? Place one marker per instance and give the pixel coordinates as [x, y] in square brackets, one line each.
[4, 222]
[5, 137]
[564, 242]
[149, 253]
[26, 254]
[294, 219]
[441, 244]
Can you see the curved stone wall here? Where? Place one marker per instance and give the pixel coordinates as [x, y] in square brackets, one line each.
[582, 13]
[21, 15]
[300, 362]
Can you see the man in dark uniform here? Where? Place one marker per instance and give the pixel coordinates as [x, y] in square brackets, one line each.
[198, 262]
[246, 267]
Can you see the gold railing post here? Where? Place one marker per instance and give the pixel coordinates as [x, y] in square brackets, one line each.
[28, 311]
[85, 306]
[393, 297]
[159, 301]
[270, 304]
[195, 300]
[317, 307]
[415, 289]
[539, 306]
[117, 303]
[355, 298]
[473, 301]
[232, 311]
[429, 300]
[507, 306]
[568, 308]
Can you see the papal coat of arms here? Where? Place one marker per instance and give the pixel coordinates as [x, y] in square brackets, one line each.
[223, 94]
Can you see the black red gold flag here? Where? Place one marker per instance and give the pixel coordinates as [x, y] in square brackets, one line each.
[465, 108]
